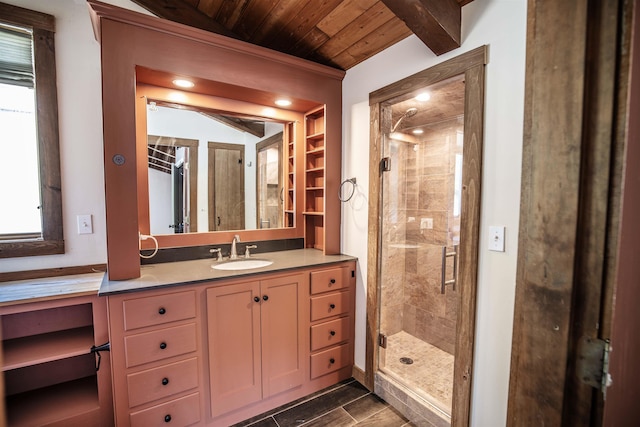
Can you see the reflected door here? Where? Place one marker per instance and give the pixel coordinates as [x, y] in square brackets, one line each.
[226, 187]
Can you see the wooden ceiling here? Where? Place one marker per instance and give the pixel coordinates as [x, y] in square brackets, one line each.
[337, 33]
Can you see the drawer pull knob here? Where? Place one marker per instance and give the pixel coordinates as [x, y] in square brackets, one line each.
[333, 333]
[332, 281]
[163, 345]
[165, 381]
[162, 310]
[332, 306]
[256, 299]
[332, 360]
[265, 297]
[167, 418]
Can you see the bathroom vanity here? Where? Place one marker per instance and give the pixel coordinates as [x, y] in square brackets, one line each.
[191, 345]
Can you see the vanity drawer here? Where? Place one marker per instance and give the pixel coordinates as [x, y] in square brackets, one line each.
[330, 333]
[327, 280]
[330, 305]
[184, 411]
[330, 360]
[163, 381]
[156, 310]
[160, 344]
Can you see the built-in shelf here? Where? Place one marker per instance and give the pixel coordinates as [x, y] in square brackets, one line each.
[26, 351]
[313, 213]
[56, 403]
[314, 203]
[314, 188]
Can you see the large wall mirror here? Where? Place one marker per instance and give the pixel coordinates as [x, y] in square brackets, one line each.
[213, 171]
[214, 164]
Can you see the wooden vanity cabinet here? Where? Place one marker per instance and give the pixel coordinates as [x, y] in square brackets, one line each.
[49, 370]
[257, 340]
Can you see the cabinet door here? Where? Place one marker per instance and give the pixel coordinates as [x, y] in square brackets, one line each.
[234, 346]
[283, 332]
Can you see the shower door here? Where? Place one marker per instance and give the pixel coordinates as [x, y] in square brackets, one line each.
[421, 186]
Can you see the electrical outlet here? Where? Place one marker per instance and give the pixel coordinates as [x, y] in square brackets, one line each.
[426, 223]
[496, 238]
[84, 224]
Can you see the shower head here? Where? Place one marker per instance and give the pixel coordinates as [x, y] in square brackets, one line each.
[409, 113]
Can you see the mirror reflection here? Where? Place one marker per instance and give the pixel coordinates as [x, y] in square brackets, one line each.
[212, 171]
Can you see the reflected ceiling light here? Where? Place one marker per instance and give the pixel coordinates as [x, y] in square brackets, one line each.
[417, 131]
[283, 102]
[424, 96]
[183, 83]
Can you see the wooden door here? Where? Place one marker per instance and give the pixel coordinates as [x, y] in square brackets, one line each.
[226, 187]
[233, 316]
[283, 328]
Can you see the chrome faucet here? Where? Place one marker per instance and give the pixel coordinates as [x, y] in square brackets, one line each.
[247, 254]
[234, 252]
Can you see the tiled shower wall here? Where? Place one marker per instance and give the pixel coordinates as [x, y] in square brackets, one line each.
[419, 187]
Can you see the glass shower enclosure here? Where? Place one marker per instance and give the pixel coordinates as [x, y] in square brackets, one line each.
[421, 188]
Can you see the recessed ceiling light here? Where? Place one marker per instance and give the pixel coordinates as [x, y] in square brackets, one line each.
[283, 102]
[418, 131]
[424, 96]
[183, 83]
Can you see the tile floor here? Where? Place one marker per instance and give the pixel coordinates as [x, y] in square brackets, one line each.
[431, 373]
[346, 404]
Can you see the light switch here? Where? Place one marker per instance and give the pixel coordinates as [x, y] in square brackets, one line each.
[496, 238]
[84, 224]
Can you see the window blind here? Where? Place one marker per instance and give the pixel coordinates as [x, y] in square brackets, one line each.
[16, 57]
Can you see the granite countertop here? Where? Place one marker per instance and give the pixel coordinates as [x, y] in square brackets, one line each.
[48, 288]
[155, 276]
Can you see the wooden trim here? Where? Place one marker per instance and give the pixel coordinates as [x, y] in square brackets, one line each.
[27, 17]
[358, 374]
[51, 272]
[211, 147]
[472, 65]
[570, 205]
[277, 138]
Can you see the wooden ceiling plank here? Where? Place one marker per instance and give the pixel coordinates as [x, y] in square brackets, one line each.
[253, 16]
[184, 13]
[436, 23]
[230, 12]
[387, 35]
[343, 15]
[193, 3]
[284, 11]
[310, 43]
[359, 29]
[209, 7]
[303, 21]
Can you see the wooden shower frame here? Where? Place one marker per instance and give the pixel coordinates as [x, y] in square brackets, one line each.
[472, 65]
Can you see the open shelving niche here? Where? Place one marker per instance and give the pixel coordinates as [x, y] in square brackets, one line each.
[49, 370]
[314, 179]
[290, 176]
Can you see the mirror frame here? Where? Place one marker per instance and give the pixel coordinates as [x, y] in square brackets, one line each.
[144, 94]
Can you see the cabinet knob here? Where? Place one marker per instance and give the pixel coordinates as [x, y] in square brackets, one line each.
[332, 281]
[332, 360]
[256, 299]
[163, 345]
[165, 381]
[332, 306]
[332, 333]
[167, 418]
[265, 297]
[162, 310]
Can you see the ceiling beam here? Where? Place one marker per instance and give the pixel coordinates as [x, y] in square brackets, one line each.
[436, 22]
[252, 127]
[184, 13]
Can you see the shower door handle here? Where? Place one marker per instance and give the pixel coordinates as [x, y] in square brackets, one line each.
[445, 254]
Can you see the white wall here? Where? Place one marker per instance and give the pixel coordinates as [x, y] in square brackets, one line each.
[80, 121]
[501, 24]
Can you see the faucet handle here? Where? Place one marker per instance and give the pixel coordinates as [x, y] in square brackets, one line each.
[247, 254]
[218, 250]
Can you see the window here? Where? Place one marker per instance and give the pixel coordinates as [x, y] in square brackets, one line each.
[30, 185]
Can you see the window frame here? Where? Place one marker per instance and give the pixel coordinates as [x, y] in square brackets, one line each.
[52, 240]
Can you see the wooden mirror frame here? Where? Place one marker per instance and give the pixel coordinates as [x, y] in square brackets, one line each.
[471, 64]
[230, 68]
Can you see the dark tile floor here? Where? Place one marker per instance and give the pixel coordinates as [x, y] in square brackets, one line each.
[345, 404]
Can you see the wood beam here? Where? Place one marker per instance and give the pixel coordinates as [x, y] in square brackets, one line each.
[436, 23]
[184, 13]
[255, 128]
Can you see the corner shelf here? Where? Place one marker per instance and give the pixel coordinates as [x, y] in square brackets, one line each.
[314, 180]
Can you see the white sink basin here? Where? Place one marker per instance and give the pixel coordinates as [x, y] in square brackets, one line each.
[242, 264]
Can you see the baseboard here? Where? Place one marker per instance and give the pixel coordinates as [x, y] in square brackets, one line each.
[52, 272]
[358, 375]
